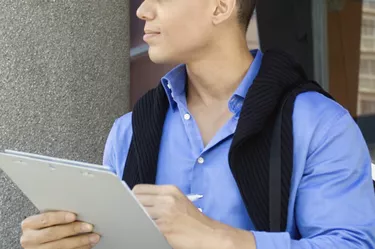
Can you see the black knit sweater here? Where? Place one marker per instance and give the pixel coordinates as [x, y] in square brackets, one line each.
[279, 80]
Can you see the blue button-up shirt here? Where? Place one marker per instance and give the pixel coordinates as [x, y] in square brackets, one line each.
[332, 201]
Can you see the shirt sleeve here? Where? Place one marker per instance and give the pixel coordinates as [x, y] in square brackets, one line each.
[117, 145]
[335, 205]
[109, 156]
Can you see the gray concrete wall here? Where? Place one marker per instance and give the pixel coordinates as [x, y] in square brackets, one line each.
[64, 78]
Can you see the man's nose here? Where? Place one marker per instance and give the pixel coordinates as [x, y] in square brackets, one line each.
[146, 11]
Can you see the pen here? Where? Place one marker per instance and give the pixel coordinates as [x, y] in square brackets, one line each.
[193, 197]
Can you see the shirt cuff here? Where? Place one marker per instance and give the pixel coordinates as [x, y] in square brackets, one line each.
[266, 240]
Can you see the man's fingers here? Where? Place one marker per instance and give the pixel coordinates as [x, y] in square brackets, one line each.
[154, 212]
[147, 200]
[152, 200]
[54, 233]
[64, 231]
[48, 219]
[36, 237]
[73, 242]
[84, 247]
[156, 189]
[142, 189]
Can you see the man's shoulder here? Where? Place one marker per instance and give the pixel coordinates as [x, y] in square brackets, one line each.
[125, 119]
[123, 125]
[315, 108]
[316, 104]
[314, 116]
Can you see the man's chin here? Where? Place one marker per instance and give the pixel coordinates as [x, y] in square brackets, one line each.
[159, 57]
[157, 60]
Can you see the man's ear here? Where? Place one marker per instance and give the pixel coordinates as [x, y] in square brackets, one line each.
[224, 9]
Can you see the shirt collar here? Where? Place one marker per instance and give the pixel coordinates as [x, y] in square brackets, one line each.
[248, 80]
[236, 101]
[174, 83]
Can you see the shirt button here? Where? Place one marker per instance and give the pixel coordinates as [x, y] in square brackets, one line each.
[200, 210]
[187, 116]
[169, 86]
[201, 160]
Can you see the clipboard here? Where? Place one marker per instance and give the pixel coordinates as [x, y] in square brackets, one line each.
[91, 191]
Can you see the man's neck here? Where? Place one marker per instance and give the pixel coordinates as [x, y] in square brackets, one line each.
[216, 76]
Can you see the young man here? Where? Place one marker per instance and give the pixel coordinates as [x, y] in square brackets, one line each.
[208, 131]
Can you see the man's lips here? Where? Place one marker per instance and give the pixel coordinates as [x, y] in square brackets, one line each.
[149, 35]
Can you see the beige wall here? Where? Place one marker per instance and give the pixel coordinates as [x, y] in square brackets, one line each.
[366, 94]
[252, 34]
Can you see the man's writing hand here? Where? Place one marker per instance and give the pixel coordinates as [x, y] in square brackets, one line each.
[183, 225]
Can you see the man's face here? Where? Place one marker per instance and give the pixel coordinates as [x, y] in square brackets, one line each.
[176, 30]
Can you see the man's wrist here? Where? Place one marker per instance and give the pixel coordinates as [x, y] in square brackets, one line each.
[221, 239]
[231, 238]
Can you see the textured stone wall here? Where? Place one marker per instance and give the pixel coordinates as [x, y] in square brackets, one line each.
[64, 78]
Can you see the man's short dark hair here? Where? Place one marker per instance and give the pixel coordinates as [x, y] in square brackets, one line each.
[245, 12]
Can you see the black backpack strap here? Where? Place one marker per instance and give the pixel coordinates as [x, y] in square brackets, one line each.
[275, 172]
[275, 176]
